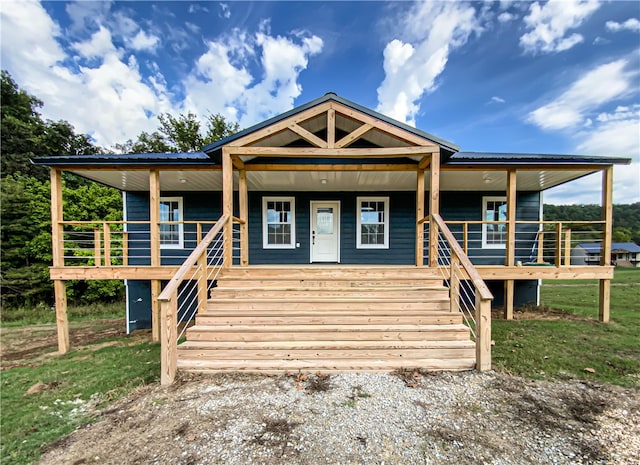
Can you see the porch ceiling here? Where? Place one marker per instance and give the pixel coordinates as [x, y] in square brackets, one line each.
[451, 180]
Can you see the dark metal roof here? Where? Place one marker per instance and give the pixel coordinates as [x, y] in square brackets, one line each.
[185, 158]
[591, 247]
[492, 158]
[330, 96]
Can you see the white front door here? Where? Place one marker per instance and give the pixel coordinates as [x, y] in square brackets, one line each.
[325, 231]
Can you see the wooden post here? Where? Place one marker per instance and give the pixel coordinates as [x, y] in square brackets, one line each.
[106, 237]
[558, 251]
[465, 238]
[454, 284]
[483, 334]
[419, 216]
[434, 206]
[57, 232]
[331, 128]
[201, 276]
[244, 216]
[227, 206]
[604, 301]
[540, 257]
[154, 228]
[169, 341]
[57, 248]
[97, 261]
[62, 322]
[510, 258]
[156, 286]
[125, 248]
[509, 288]
[567, 247]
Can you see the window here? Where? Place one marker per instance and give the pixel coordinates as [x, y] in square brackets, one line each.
[494, 236]
[373, 222]
[278, 222]
[171, 235]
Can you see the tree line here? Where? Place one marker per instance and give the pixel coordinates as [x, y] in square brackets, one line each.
[25, 205]
[25, 223]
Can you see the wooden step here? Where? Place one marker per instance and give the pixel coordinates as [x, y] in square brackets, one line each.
[438, 319]
[324, 366]
[343, 345]
[330, 292]
[337, 314]
[353, 272]
[329, 333]
[328, 304]
[230, 281]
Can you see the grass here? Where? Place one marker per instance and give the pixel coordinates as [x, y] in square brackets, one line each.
[72, 386]
[42, 313]
[563, 348]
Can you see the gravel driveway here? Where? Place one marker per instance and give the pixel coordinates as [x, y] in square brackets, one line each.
[401, 418]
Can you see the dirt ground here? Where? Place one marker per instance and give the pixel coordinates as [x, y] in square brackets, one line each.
[401, 418]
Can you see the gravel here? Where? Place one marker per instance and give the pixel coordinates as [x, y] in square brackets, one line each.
[402, 418]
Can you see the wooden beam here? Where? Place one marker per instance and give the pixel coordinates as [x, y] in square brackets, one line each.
[331, 128]
[317, 152]
[424, 163]
[353, 135]
[308, 136]
[280, 126]
[604, 301]
[57, 233]
[244, 217]
[227, 205]
[434, 206]
[67, 273]
[332, 167]
[62, 322]
[383, 126]
[419, 215]
[590, 168]
[237, 162]
[511, 217]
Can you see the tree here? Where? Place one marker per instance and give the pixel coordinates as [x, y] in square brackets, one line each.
[182, 133]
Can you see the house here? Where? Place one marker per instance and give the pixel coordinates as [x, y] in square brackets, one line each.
[330, 237]
[622, 254]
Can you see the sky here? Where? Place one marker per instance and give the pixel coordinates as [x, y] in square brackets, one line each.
[497, 76]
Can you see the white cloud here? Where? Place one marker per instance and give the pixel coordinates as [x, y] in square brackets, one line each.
[599, 86]
[549, 25]
[101, 89]
[631, 24]
[600, 41]
[412, 65]
[225, 12]
[505, 17]
[144, 41]
[238, 94]
[496, 99]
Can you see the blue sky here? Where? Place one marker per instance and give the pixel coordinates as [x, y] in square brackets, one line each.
[544, 77]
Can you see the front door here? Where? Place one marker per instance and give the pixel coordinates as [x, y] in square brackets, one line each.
[325, 231]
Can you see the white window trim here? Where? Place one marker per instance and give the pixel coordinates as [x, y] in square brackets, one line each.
[485, 200]
[180, 244]
[387, 223]
[265, 236]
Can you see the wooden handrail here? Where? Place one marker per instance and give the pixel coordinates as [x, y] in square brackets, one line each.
[473, 274]
[238, 220]
[172, 286]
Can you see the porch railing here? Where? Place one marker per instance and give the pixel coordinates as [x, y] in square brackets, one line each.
[187, 292]
[536, 242]
[467, 291]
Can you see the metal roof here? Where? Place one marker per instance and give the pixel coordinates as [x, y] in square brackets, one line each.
[492, 158]
[331, 97]
[591, 247]
[183, 158]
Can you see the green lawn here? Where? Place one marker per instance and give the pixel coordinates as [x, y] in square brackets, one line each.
[21, 316]
[564, 348]
[71, 385]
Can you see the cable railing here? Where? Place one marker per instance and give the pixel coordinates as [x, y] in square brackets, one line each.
[187, 292]
[468, 293]
[536, 243]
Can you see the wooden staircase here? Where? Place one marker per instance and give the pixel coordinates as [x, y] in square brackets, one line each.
[329, 319]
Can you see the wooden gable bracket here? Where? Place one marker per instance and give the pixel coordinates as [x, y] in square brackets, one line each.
[308, 136]
[237, 162]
